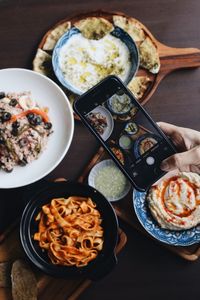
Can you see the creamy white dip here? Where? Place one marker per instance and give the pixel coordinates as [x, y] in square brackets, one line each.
[85, 62]
[175, 202]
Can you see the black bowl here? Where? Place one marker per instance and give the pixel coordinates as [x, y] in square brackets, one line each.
[106, 258]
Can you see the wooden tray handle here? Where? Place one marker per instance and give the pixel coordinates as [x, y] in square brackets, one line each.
[177, 58]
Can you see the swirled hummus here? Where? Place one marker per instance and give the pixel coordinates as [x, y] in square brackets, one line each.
[175, 202]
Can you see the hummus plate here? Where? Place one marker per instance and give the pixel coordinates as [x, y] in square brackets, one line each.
[171, 237]
[79, 63]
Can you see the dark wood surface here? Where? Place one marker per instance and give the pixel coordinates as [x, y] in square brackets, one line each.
[145, 270]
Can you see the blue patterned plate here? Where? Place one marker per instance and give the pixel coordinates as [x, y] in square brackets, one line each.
[171, 237]
[136, 147]
[117, 32]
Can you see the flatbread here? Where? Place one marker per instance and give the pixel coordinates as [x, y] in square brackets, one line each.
[94, 28]
[5, 280]
[149, 57]
[138, 86]
[42, 62]
[24, 284]
[132, 27]
[55, 34]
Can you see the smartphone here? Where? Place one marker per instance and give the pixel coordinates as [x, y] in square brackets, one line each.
[126, 131]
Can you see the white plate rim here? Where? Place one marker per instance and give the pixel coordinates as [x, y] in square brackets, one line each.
[72, 125]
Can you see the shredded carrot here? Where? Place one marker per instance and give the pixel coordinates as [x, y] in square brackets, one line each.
[34, 111]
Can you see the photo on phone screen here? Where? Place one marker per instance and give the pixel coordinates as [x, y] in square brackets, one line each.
[124, 128]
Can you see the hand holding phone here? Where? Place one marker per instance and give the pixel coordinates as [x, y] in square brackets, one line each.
[126, 131]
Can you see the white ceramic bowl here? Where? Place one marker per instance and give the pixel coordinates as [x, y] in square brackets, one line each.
[47, 94]
[94, 172]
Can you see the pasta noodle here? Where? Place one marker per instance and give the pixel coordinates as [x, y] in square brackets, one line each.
[70, 231]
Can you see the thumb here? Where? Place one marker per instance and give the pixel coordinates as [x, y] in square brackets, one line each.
[182, 161]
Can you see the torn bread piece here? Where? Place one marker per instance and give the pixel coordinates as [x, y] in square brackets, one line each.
[132, 27]
[54, 35]
[24, 284]
[149, 57]
[42, 62]
[138, 86]
[94, 28]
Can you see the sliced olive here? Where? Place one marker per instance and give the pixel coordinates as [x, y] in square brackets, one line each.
[2, 95]
[6, 116]
[32, 122]
[2, 141]
[38, 120]
[48, 125]
[14, 132]
[13, 102]
[23, 162]
[30, 116]
[8, 170]
[16, 124]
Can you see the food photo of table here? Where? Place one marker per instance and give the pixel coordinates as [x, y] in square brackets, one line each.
[71, 224]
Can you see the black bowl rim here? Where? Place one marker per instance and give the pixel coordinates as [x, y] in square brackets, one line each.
[48, 268]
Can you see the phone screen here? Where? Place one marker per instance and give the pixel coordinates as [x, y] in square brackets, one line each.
[124, 128]
[126, 131]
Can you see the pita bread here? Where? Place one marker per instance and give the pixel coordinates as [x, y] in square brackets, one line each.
[133, 28]
[138, 86]
[24, 284]
[149, 57]
[42, 62]
[94, 28]
[5, 280]
[55, 34]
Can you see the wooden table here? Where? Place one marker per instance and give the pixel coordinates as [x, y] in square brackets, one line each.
[145, 270]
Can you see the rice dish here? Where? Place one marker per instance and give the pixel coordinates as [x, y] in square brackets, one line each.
[24, 129]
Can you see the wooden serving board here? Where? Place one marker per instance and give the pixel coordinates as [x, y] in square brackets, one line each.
[171, 58]
[125, 211]
[49, 288]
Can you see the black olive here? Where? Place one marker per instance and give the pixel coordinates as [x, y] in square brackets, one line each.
[8, 170]
[14, 132]
[32, 122]
[2, 95]
[30, 116]
[6, 116]
[47, 125]
[37, 120]
[15, 124]
[2, 141]
[13, 102]
[23, 162]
